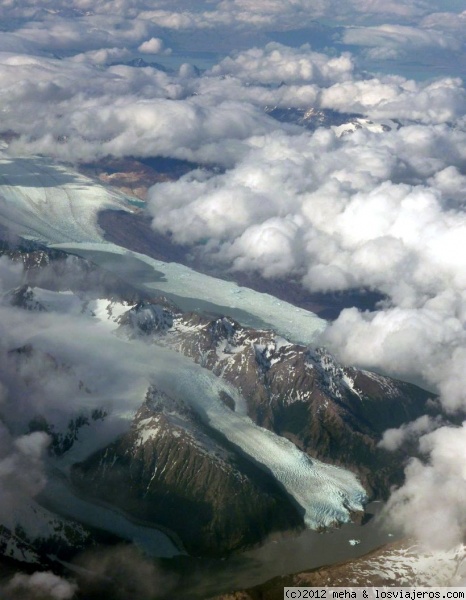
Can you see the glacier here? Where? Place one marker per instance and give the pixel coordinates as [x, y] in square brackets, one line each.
[194, 291]
[52, 203]
[120, 371]
[59, 207]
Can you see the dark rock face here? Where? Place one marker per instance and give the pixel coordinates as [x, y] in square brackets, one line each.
[23, 297]
[149, 318]
[170, 470]
[334, 413]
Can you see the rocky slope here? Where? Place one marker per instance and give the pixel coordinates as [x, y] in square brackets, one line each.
[171, 470]
[342, 123]
[332, 412]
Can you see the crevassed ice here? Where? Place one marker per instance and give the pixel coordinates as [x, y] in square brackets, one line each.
[57, 206]
[325, 493]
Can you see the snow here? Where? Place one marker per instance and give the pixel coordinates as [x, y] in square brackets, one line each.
[67, 302]
[36, 522]
[324, 492]
[349, 382]
[62, 499]
[364, 123]
[408, 565]
[20, 552]
[108, 312]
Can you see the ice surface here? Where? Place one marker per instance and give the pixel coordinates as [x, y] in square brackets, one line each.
[325, 493]
[195, 291]
[51, 203]
[119, 372]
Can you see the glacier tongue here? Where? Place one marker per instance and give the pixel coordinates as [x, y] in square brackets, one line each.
[58, 206]
[326, 493]
[196, 291]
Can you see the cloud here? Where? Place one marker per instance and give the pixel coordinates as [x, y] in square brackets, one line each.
[78, 110]
[39, 586]
[430, 505]
[22, 472]
[383, 211]
[400, 38]
[122, 572]
[276, 63]
[393, 439]
[152, 46]
[103, 56]
[334, 194]
[379, 210]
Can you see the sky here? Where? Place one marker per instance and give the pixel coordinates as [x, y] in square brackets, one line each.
[383, 210]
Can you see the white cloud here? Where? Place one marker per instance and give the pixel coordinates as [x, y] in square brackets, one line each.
[22, 471]
[276, 63]
[379, 210]
[400, 38]
[430, 505]
[393, 439]
[103, 56]
[152, 46]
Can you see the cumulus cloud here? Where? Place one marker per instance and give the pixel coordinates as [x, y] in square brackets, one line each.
[377, 210]
[78, 110]
[276, 63]
[430, 505]
[22, 472]
[152, 46]
[103, 56]
[334, 195]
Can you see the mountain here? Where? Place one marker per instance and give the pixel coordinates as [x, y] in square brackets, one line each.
[400, 564]
[181, 411]
[172, 470]
[342, 123]
[224, 432]
[334, 413]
